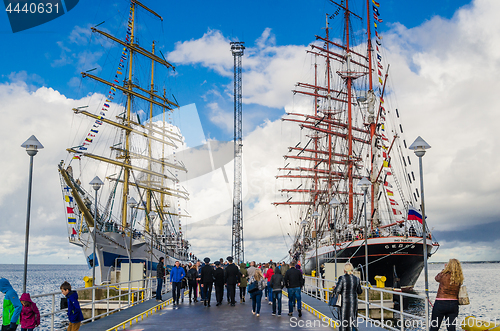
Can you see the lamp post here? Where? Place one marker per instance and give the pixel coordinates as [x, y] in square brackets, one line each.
[304, 224]
[364, 184]
[96, 185]
[152, 216]
[131, 202]
[419, 146]
[32, 146]
[315, 215]
[334, 203]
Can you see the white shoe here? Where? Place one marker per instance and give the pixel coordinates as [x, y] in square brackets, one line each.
[253, 312]
[270, 302]
[258, 315]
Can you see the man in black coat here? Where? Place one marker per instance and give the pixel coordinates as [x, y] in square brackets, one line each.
[160, 277]
[294, 281]
[219, 283]
[207, 280]
[231, 278]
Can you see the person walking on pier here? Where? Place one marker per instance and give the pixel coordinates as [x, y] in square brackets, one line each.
[257, 295]
[160, 276]
[231, 278]
[446, 304]
[176, 275]
[14, 303]
[294, 281]
[277, 284]
[243, 281]
[251, 269]
[207, 279]
[348, 286]
[198, 283]
[219, 283]
[269, 290]
[192, 274]
[75, 315]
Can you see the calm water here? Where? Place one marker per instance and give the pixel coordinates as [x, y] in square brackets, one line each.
[482, 281]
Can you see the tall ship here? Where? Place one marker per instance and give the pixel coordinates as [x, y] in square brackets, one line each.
[351, 133]
[127, 137]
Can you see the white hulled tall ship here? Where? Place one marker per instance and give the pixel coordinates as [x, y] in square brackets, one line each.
[141, 204]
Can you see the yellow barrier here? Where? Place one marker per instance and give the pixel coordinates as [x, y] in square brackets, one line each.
[141, 315]
[318, 314]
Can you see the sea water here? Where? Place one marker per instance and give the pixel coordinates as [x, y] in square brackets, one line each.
[44, 278]
[482, 281]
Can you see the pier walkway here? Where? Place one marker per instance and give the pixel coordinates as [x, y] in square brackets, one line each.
[196, 316]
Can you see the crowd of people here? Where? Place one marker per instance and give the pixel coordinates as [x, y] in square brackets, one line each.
[263, 280]
[260, 280]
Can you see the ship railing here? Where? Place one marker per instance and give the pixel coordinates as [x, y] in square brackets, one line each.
[129, 293]
[322, 289]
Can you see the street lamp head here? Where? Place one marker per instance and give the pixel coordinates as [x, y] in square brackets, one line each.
[315, 214]
[152, 215]
[303, 223]
[419, 146]
[131, 202]
[364, 183]
[96, 183]
[334, 203]
[32, 146]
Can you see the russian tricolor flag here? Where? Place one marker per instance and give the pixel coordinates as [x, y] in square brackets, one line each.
[414, 214]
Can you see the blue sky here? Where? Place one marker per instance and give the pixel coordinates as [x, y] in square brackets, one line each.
[431, 47]
[46, 52]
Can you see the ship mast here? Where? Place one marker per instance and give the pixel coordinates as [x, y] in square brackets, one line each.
[371, 117]
[126, 160]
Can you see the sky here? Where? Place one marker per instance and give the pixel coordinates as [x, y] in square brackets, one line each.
[444, 58]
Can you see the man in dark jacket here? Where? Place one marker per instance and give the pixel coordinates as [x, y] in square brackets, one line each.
[192, 275]
[294, 281]
[219, 283]
[160, 276]
[231, 278]
[277, 284]
[207, 279]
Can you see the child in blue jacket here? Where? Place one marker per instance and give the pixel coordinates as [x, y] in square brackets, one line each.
[75, 315]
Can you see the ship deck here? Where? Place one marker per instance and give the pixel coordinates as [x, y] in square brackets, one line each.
[196, 316]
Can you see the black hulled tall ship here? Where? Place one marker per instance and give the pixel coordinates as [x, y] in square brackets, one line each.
[350, 131]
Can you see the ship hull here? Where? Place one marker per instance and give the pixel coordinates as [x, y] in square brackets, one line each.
[112, 249]
[392, 257]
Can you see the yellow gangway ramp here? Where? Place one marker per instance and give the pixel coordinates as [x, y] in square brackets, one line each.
[471, 323]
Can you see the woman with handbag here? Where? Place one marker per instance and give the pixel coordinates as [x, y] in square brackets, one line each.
[446, 304]
[348, 287]
[256, 284]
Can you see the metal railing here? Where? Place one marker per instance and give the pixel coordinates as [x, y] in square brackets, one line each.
[322, 289]
[127, 296]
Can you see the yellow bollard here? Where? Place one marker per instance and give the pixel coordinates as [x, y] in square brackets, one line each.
[89, 282]
[380, 281]
[313, 273]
